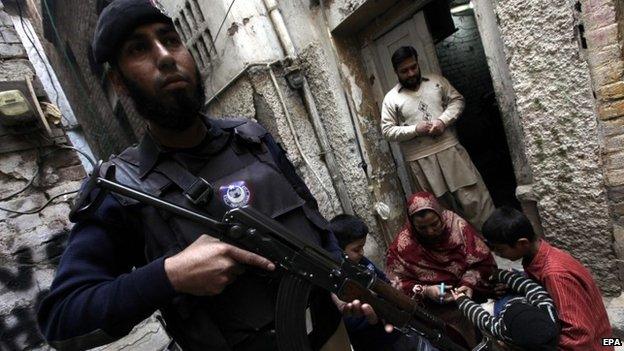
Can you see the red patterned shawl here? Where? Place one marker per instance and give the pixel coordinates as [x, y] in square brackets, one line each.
[461, 258]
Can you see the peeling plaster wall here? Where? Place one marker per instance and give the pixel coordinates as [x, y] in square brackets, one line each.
[554, 100]
[244, 36]
[339, 10]
[341, 133]
[30, 244]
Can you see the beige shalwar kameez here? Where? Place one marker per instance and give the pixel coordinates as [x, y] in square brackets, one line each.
[439, 165]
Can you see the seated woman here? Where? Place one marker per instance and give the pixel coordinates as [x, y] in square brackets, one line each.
[437, 248]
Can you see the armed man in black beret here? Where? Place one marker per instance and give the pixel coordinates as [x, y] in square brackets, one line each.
[127, 259]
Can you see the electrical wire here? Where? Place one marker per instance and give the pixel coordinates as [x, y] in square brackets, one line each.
[66, 146]
[305, 158]
[37, 210]
[40, 158]
[223, 22]
[30, 181]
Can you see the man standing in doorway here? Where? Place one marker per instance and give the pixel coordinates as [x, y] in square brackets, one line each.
[419, 113]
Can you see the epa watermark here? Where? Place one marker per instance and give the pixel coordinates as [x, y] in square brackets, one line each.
[612, 342]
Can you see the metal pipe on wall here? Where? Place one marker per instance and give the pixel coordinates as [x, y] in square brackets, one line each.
[280, 96]
[330, 159]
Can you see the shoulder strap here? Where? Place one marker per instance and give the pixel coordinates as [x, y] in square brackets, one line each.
[194, 188]
[253, 132]
[247, 129]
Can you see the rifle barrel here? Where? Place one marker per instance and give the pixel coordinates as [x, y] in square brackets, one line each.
[156, 202]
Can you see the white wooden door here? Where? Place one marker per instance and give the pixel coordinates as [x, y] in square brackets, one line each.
[414, 32]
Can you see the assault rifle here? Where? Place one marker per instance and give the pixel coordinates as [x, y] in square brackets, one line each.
[303, 264]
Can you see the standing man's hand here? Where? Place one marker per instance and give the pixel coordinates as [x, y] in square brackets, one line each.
[437, 128]
[423, 128]
[207, 266]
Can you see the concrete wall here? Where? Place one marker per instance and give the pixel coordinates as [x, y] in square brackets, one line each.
[555, 106]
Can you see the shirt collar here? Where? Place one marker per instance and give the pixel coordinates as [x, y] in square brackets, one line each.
[422, 79]
[536, 265]
[150, 150]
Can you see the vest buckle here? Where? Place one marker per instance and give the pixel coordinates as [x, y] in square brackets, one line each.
[199, 192]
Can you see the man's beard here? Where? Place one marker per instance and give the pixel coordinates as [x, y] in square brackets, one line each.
[411, 83]
[177, 115]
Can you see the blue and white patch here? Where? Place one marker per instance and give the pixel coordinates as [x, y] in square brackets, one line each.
[235, 194]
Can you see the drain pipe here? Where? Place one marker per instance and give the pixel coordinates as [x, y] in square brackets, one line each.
[332, 165]
[296, 138]
[268, 67]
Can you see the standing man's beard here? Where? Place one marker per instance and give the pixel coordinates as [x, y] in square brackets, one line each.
[178, 115]
[411, 83]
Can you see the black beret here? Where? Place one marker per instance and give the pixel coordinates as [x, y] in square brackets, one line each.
[117, 21]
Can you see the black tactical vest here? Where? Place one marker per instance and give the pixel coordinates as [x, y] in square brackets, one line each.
[242, 172]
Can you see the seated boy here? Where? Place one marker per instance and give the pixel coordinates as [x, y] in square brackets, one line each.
[578, 300]
[527, 321]
[351, 233]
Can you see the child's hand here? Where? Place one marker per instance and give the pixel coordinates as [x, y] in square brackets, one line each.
[500, 289]
[465, 290]
[457, 294]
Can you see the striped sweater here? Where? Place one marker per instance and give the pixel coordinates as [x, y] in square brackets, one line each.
[530, 293]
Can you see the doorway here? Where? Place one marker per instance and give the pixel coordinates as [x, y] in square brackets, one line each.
[461, 59]
[377, 53]
[480, 128]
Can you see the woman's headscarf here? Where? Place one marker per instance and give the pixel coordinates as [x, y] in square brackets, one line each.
[460, 258]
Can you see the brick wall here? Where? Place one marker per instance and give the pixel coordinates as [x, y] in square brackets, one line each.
[603, 31]
[463, 62]
[87, 89]
[30, 244]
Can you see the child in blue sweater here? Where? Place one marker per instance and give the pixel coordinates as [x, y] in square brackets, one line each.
[351, 233]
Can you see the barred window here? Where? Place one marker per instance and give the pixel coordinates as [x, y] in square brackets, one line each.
[193, 28]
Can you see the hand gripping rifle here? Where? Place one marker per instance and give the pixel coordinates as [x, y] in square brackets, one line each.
[302, 264]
